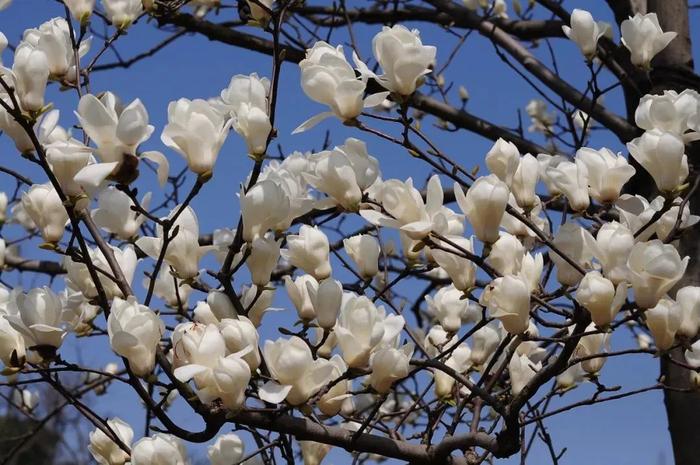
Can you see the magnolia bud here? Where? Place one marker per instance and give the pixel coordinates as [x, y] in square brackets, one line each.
[309, 250]
[599, 296]
[663, 322]
[364, 251]
[327, 298]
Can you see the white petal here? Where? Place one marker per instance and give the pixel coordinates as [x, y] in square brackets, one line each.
[273, 392]
[91, 176]
[163, 165]
[311, 122]
[375, 99]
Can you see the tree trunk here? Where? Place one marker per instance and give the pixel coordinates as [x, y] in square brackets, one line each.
[673, 69]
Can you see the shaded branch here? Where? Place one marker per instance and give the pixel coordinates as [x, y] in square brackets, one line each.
[332, 17]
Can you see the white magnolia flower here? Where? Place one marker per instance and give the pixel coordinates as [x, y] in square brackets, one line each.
[240, 335]
[506, 255]
[614, 242]
[508, 299]
[121, 13]
[116, 129]
[578, 245]
[407, 211]
[66, 159]
[309, 250]
[263, 207]
[80, 9]
[44, 206]
[600, 297]
[258, 13]
[644, 38]
[134, 333]
[667, 223]
[484, 205]
[12, 346]
[525, 181]
[663, 321]
[389, 365]
[196, 346]
[585, 31]
[662, 154]
[452, 258]
[459, 361]
[224, 378]
[654, 268]
[450, 308]
[542, 119]
[332, 401]
[298, 376]
[362, 327]
[327, 299]
[31, 74]
[183, 251]
[40, 318]
[245, 100]
[79, 276]
[299, 291]
[571, 179]
[115, 215]
[264, 253]
[688, 298]
[607, 173]
[196, 131]
[159, 449]
[692, 356]
[104, 450]
[25, 399]
[364, 250]
[226, 450]
[54, 39]
[438, 341]
[531, 270]
[670, 112]
[522, 369]
[403, 58]
[257, 302]
[636, 212]
[590, 345]
[503, 160]
[484, 343]
[344, 173]
[569, 378]
[548, 162]
[328, 78]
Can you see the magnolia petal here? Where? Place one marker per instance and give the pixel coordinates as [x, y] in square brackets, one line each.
[375, 99]
[187, 372]
[364, 70]
[379, 219]
[273, 392]
[91, 176]
[122, 341]
[150, 245]
[417, 230]
[159, 159]
[311, 122]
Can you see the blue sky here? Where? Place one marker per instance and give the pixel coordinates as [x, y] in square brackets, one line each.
[630, 431]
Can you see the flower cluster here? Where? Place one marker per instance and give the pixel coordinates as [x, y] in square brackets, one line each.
[500, 268]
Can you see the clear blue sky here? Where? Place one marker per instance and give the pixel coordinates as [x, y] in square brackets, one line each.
[626, 432]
